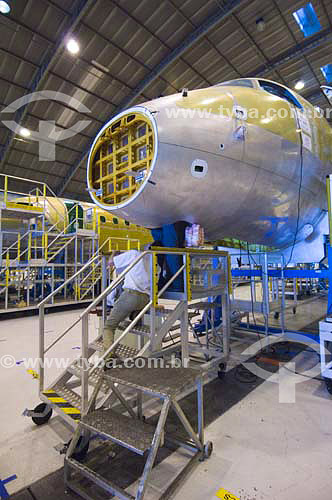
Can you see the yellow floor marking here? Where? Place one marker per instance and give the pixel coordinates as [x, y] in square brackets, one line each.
[226, 495]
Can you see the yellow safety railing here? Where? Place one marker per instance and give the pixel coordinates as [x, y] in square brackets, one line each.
[94, 220]
[121, 243]
[29, 246]
[109, 245]
[19, 247]
[6, 189]
[40, 189]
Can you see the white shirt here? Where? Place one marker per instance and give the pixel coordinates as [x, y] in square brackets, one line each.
[138, 278]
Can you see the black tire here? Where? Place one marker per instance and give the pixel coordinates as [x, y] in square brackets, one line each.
[328, 383]
[208, 449]
[44, 418]
[276, 315]
[222, 371]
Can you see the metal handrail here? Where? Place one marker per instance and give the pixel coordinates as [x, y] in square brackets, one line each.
[90, 288]
[134, 321]
[114, 284]
[72, 278]
[63, 232]
[84, 316]
[24, 179]
[15, 242]
[87, 276]
[95, 302]
[41, 306]
[13, 192]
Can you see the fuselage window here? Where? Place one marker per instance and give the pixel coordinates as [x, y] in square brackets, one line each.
[279, 91]
[115, 220]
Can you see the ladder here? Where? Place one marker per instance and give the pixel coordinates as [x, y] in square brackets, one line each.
[165, 334]
[134, 433]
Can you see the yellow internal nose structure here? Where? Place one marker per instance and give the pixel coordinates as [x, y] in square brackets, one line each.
[121, 158]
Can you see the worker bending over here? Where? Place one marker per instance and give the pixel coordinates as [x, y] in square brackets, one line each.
[135, 295]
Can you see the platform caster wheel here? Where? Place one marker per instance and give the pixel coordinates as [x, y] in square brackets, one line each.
[208, 449]
[328, 383]
[81, 449]
[44, 414]
[276, 315]
[222, 371]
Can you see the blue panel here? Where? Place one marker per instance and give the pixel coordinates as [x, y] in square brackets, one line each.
[327, 72]
[307, 19]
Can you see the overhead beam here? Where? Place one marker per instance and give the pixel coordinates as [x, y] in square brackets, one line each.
[47, 64]
[295, 41]
[199, 32]
[297, 51]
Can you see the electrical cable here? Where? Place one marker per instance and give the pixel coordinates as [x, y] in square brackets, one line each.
[251, 258]
[294, 371]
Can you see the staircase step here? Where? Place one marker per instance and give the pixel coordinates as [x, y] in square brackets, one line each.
[72, 397]
[95, 478]
[134, 435]
[94, 379]
[155, 380]
[122, 350]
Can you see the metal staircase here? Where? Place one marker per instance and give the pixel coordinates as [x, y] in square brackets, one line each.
[134, 433]
[166, 331]
[88, 281]
[58, 245]
[38, 261]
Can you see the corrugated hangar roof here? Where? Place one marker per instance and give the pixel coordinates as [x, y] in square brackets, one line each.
[134, 51]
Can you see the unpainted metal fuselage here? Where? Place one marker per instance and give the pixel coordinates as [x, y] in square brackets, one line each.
[250, 164]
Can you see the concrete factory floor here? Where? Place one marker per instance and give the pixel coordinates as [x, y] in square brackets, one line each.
[263, 449]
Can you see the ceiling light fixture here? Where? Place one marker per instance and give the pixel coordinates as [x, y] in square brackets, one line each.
[299, 85]
[24, 132]
[4, 7]
[72, 46]
[260, 24]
